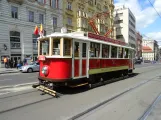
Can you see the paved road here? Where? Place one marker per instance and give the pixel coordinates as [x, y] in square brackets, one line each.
[22, 78]
[145, 65]
[29, 104]
[17, 78]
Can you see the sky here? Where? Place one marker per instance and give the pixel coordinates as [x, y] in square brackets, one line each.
[148, 22]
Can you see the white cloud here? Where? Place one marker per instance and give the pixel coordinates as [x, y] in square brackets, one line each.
[144, 17]
[154, 35]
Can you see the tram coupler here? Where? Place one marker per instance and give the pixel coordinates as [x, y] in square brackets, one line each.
[35, 85]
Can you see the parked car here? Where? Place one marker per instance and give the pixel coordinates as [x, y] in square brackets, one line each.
[33, 67]
[138, 61]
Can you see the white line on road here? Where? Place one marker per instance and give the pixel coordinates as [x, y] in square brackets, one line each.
[25, 84]
[12, 86]
[5, 80]
[4, 93]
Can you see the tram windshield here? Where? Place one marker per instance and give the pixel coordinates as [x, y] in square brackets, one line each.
[57, 47]
[44, 47]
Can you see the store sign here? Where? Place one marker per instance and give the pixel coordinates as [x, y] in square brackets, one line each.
[102, 38]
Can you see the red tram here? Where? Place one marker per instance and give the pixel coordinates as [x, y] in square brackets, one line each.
[79, 58]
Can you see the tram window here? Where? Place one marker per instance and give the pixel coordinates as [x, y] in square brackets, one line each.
[126, 53]
[84, 50]
[95, 49]
[44, 47]
[113, 52]
[67, 46]
[105, 51]
[76, 49]
[120, 52]
[56, 47]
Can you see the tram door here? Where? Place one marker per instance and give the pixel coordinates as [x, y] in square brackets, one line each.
[80, 59]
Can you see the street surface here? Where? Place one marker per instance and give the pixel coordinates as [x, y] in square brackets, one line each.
[17, 78]
[23, 78]
[26, 103]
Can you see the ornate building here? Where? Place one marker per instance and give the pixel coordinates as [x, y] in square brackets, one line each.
[77, 14]
[18, 19]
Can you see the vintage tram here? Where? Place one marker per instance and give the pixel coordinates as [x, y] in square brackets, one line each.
[81, 58]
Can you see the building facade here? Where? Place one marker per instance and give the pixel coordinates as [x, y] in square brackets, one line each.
[138, 45]
[150, 50]
[77, 14]
[18, 19]
[125, 24]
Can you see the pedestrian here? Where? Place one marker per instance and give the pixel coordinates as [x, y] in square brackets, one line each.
[9, 62]
[19, 63]
[5, 62]
[25, 61]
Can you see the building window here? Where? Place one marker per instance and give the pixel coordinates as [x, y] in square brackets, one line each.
[15, 40]
[14, 12]
[54, 3]
[69, 6]
[41, 1]
[90, 2]
[69, 21]
[34, 41]
[41, 18]
[54, 22]
[31, 16]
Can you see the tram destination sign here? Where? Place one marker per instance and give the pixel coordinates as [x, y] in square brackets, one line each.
[102, 38]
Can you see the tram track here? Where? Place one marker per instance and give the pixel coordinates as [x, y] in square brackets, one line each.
[80, 114]
[150, 108]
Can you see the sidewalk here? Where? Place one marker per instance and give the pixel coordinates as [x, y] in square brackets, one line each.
[9, 70]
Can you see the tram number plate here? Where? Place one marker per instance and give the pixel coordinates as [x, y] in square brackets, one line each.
[41, 57]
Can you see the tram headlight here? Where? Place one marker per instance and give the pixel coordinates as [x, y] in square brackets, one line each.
[45, 70]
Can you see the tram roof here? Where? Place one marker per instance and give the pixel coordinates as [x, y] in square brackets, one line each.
[81, 36]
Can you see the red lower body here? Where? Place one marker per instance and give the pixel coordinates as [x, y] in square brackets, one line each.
[60, 69]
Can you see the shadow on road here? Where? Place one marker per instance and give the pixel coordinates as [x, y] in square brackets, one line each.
[70, 91]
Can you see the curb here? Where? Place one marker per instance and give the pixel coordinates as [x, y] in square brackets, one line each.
[18, 85]
[9, 72]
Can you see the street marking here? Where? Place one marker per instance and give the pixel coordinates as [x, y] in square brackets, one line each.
[5, 80]
[18, 85]
[24, 84]
[4, 93]
[16, 89]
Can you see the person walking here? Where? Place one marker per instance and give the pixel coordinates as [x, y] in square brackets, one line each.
[5, 62]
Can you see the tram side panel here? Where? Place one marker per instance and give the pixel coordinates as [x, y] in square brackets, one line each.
[108, 65]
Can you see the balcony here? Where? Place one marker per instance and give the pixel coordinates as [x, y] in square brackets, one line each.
[69, 12]
[20, 2]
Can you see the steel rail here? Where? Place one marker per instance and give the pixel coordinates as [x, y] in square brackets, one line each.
[79, 115]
